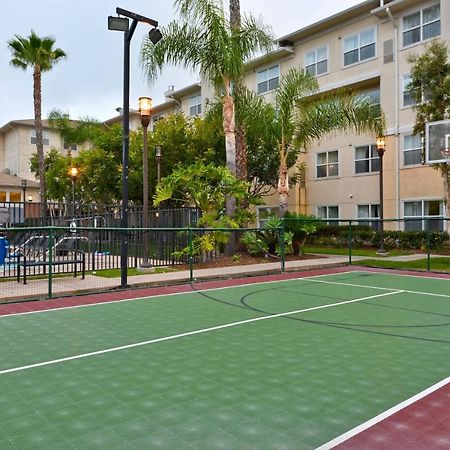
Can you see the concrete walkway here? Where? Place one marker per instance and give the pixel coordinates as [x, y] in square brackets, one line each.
[11, 290]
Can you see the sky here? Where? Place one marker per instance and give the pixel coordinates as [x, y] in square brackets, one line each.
[89, 81]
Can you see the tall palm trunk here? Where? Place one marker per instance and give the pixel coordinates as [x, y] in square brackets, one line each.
[230, 150]
[241, 142]
[37, 96]
[283, 181]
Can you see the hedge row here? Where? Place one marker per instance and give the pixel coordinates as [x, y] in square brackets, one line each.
[362, 236]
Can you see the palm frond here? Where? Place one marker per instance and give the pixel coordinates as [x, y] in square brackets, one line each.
[338, 110]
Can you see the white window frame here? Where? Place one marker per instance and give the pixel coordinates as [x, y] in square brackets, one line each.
[373, 155]
[423, 222]
[269, 212]
[421, 25]
[358, 33]
[335, 220]
[71, 147]
[195, 105]
[45, 137]
[267, 79]
[315, 51]
[405, 91]
[405, 150]
[371, 218]
[327, 164]
[425, 95]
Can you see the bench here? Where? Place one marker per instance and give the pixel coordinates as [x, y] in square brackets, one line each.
[78, 259]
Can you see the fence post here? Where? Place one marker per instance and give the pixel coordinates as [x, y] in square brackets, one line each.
[427, 224]
[282, 249]
[50, 263]
[350, 240]
[191, 258]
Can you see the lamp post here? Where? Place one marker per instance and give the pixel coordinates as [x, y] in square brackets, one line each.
[381, 147]
[145, 108]
[122, 24]
[73, 172]
[24, 188]
[158, 155]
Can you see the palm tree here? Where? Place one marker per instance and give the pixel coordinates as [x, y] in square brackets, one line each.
[301, 116]
[241, 144]
[204, 40]
[40, 55]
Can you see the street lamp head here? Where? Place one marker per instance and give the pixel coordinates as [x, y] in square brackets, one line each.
[73, 172]
[155, 35]
[24, 183]
[145, 106]
[381, 143]
[158, 151]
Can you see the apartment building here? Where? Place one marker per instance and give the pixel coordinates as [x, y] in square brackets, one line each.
[365, 47]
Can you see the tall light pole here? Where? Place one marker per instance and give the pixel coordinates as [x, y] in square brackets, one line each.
[73, 172]
[24, 189]
[122, 24]
[158, 155]
[381, 147]
[145, 109]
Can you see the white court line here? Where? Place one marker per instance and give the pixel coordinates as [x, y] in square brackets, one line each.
[150, 297]
[380, 288]
[384, 415]
[190, 333]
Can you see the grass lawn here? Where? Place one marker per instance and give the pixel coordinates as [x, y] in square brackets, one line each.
[355, 251]
[132, 271]
[437, 263]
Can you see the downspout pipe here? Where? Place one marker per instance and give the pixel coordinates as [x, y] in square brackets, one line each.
[396, 106]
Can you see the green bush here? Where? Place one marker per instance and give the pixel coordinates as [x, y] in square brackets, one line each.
[364, 236]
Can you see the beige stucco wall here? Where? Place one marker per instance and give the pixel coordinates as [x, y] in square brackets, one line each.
[349, 189]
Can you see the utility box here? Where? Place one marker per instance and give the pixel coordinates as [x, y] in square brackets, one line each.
[4, 245]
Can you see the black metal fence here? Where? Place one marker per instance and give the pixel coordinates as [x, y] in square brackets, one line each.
[31, 214]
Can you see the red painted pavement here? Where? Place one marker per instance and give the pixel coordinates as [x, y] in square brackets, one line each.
[424, 425]
[42, 305]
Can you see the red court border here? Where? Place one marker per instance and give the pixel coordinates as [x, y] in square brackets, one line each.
[423, 425]
[136, 293]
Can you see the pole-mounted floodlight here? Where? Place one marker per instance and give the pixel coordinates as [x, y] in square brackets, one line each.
[128, 30]
[381, 147]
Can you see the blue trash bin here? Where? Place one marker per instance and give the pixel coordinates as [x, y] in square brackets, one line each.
[4, 245]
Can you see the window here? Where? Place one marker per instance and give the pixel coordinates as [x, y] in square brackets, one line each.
[268, 79]
[407, 97]
[156, 119]
[316, 61]
[422, 25]
[264, 213]
[327, 164]
[373, 95]
[329, 212]
[412, 150]
[45, 137]
[433, 209]
[73, 147]
[369, 212]
[195, 105]
[367, 159]
[15, 197]
[359, 46]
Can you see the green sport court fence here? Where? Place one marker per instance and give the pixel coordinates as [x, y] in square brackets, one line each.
[56, 261]
[287, 363]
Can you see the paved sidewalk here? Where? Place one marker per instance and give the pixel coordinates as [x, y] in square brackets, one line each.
[12, 290]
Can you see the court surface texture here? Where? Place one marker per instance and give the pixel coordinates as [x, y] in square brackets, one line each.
[344, 358]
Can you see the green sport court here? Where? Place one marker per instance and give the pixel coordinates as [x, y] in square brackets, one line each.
[299, 361]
